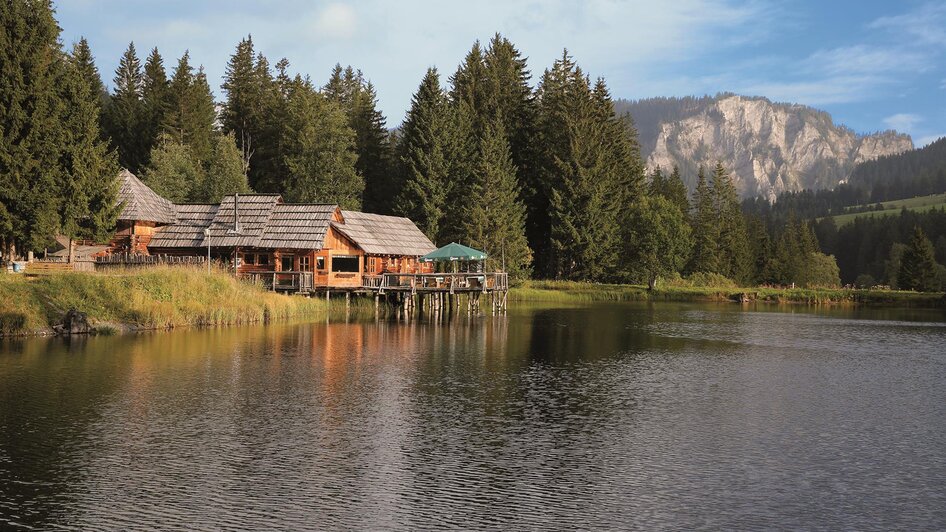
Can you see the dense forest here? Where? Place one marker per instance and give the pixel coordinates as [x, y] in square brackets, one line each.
[546, 177]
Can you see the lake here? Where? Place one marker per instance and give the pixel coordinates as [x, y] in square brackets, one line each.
[588, 417]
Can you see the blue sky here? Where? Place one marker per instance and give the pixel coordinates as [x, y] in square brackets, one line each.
[873, 65]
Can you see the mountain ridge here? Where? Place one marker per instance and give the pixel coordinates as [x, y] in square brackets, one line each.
[768, 147]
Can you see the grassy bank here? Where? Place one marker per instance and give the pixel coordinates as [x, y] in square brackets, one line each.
[559, 291]
[157, 298]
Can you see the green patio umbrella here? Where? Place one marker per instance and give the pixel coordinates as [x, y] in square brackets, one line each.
[453, 252]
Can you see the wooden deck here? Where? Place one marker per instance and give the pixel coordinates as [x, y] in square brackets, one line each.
[410, 291]
[453, 283]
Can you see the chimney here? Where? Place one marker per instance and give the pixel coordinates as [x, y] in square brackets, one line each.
[236, 213]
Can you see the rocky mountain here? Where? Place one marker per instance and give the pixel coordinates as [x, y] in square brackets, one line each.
[769, 147]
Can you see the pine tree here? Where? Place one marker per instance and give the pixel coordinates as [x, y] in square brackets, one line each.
[124, 113]
[511, 100]
[358, 99]
[155, 97]
[249, 88]
[493, 218]
[191, 115]
[918, 267]
[84, 61]
[733, 256]
[29, 146]
[224, 174]
[676, 190]
[424, 158]
[173, 172]
[706, 231]
[89, 186]
[319, 150]
[471, 87]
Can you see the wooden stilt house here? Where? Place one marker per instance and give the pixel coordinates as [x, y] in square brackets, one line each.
[293, 246]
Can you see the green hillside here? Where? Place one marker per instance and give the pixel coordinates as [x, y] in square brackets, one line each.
[917, 204]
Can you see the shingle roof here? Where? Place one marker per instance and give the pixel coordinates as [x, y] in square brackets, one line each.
[254, 212]
[140, 203]
[188, 232]
[377, 234]
[297, 226]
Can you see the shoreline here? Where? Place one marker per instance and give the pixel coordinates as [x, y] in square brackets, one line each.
[168, 298]
[567, 291]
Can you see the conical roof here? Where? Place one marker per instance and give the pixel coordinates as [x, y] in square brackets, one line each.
[140, 203]
[454, 251]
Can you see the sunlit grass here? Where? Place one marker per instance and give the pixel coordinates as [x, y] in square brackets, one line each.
[153, 298]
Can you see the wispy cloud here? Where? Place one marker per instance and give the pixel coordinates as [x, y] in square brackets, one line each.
[926, 24]
[904, 122]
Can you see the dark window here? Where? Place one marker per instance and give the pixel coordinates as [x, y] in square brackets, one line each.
[286, 263]
[249, 258]
[344, 263]
[320, 263]
[262, 259]
[305, 263]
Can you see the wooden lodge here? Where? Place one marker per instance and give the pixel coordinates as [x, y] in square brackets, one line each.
[299, 247]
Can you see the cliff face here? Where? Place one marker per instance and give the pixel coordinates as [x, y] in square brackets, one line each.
[769, 148]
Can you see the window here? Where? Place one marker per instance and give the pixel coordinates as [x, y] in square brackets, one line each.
[249, 258]
[305, 263]
[320, 263]
[345, 263]
[286, 264]
[262, 259]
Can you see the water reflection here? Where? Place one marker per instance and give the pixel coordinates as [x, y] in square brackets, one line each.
[588, 417]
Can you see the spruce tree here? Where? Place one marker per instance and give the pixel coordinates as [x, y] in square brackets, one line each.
[493, 217]
[510, 99]
[89, 186]
[918, 267]
[84, 61]
[585, 193]
[733, 256]
[29, 146]
[706, 231]
[424, 158]
[191, 115]
[358, 99]
[249, 89]
[319, 151]
[155, 97]
[676, 190]
[470, 86]
[124, 114]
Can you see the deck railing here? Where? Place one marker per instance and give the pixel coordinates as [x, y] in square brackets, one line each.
[464, 282]
[292, 281]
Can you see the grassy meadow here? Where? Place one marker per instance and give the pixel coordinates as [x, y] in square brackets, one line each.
[892, 208]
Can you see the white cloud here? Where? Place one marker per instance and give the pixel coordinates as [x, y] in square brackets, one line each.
[866, 59]
[336, 21]
[903, 122]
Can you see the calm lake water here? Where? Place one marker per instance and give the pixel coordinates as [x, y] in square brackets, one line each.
[593, 417]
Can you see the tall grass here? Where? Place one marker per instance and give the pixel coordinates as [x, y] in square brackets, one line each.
[154, 298]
